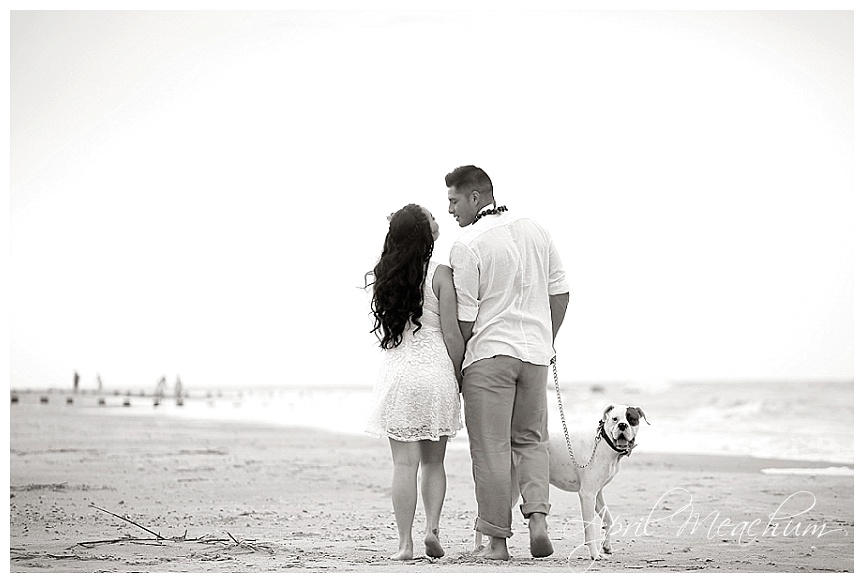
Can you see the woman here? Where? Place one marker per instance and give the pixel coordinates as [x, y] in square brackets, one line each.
[416, 396]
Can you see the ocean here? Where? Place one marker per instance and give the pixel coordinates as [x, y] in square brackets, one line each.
[804, 420]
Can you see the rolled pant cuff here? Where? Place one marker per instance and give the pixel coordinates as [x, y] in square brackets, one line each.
[530, 508]
[491, 530]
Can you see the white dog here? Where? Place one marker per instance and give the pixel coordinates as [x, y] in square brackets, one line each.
[597, 458]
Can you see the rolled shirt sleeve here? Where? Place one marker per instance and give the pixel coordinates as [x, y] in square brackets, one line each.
[466, 278]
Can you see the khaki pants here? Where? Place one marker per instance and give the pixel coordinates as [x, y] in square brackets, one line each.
[506, 416]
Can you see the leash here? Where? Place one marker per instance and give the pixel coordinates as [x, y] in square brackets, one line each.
[564, 422]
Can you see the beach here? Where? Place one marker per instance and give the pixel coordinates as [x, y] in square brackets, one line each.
[108, 489]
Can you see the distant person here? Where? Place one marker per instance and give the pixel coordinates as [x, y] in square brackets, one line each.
[512, 295]
[178, 391]
[416, 395]
[160, 390]
[99, 389]
[75, 380]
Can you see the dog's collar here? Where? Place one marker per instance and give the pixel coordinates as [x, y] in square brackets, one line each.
[620, 450]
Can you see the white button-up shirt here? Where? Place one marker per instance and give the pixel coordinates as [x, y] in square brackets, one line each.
[505, 267]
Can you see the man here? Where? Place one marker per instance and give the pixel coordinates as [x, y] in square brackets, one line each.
[512, 295]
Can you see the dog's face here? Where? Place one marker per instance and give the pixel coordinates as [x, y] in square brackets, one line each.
[621, 423]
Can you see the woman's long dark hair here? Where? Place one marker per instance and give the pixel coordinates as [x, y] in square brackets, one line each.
[400, 275]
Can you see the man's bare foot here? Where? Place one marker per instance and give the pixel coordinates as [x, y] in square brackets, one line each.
[541, 546]
[496, 550]
[404, 554]
[433, 545]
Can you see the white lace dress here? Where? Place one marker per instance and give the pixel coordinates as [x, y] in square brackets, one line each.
[416, 395]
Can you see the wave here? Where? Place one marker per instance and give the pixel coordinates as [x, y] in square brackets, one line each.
[844, 471]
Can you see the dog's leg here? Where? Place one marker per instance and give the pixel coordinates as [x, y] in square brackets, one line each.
[587, 502]
[606, 517]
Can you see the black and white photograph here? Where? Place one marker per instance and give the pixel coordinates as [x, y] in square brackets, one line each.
[410, 288]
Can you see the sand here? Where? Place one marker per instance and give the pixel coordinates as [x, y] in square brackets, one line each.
[227, 497]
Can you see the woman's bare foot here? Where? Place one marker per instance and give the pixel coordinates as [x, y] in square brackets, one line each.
[403, 555]
[433, 545]
[496, 550]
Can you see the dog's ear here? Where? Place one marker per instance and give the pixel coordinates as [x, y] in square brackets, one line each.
[606, 411]
[639, 412]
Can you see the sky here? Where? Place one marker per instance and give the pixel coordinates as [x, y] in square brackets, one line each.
[200, 194]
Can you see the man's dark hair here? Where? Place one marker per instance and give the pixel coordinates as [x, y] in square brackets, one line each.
[468, 178]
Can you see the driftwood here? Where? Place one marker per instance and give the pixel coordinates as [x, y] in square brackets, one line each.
[157, 535]
[159, 539]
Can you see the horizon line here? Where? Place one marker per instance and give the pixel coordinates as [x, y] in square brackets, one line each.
[322, 384]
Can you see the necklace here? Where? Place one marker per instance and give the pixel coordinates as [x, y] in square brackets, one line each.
[493, 211]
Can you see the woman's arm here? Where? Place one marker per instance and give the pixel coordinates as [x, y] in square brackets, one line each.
[442, 285]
